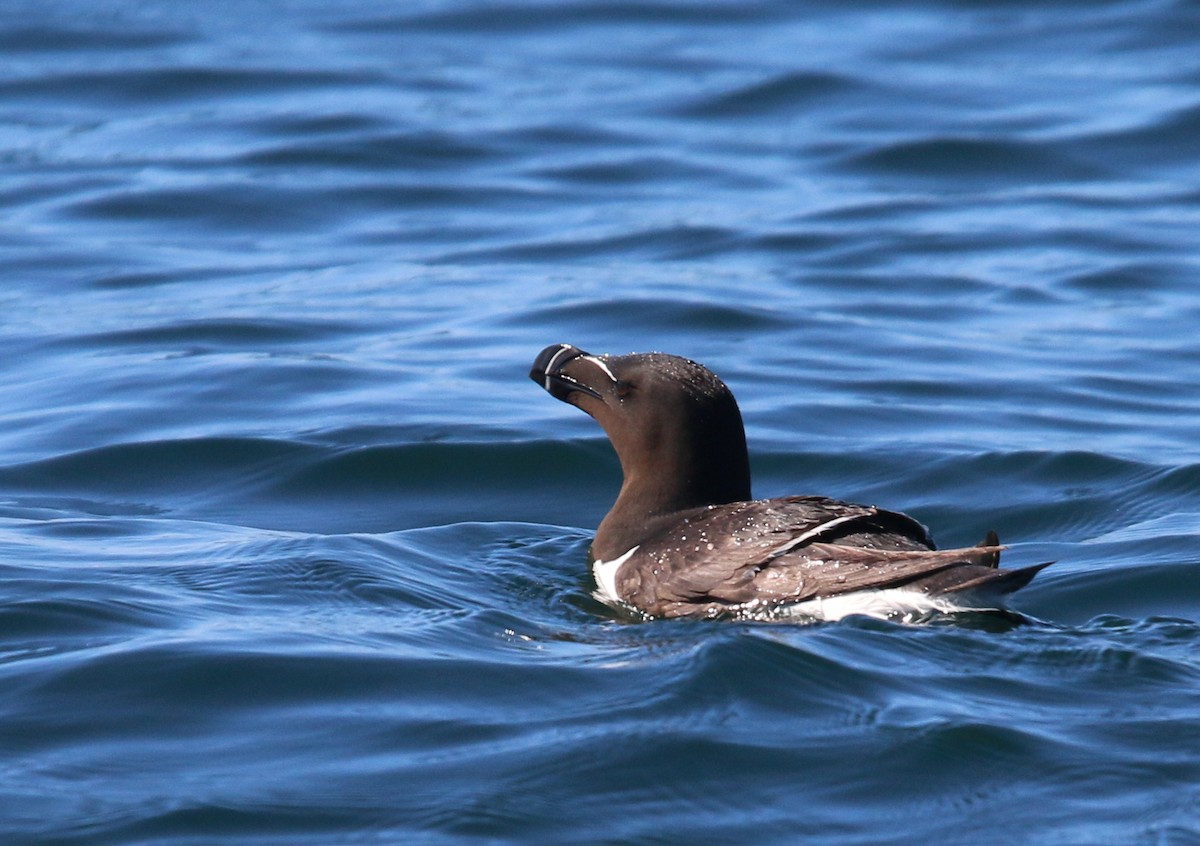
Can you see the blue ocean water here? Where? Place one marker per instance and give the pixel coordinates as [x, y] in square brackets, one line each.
[292, 551]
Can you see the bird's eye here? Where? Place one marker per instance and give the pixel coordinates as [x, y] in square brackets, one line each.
[623, 388]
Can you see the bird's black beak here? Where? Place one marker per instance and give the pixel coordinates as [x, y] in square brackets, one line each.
[547, 371]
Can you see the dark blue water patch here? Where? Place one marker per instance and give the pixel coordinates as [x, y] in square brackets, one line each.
[520, 18]
[46, 615]
[636, 171]
[1124, 395]
[1165, 142]
[358, 592]
[873, 211]
[561, 137]
[1116, 198]
[883, 244]
[214, 334]
[389, 152]
[531, 481]
[221, 817]
[266, 574]
[781, 95]
[1131, 278]
[35, 266]
[665, 243]
[1155, 579]
[390, 205]
[140, 86]
[236, 207]
[52, 609]
[968, 163]
[210, 464]
[1179, 481]
[802, 242]
[1167, 30]
[125, 278]
[27, 192]
[205, 683]
[66, 38]
[292, 124]
[1079, 470]
[275, 484]
[51, 510]
[650, 313]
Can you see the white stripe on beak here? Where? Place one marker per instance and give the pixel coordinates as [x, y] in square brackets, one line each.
[554, 360]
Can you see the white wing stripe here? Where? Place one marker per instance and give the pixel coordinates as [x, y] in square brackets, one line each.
[814, 532]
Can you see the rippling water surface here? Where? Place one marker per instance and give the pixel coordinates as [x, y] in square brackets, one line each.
[291, 551]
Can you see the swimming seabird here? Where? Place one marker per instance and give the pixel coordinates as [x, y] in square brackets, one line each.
[686, 539]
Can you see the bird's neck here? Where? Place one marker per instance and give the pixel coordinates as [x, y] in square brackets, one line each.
[652, 497]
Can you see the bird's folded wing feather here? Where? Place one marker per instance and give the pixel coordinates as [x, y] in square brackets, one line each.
[793, 549]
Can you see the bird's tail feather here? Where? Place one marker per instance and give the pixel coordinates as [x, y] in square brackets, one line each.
[999, 582]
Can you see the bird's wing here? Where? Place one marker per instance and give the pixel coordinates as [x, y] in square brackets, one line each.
[790, 550]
